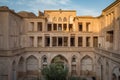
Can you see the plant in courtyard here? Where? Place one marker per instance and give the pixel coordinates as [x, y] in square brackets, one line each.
[55, 71]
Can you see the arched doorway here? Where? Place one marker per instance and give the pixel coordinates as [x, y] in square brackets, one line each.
[60, 59]
[107, 70]
[118, 77]
[116, 73]
[100, 68]
[21, 73]
[14, 70]
[86, 66]
[32, 67]
[114, 77]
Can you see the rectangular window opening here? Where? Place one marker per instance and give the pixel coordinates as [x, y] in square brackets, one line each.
[72, 41]
[47, 41]
[80, 41]
[80, 26]
[49, 27]
[39, 26]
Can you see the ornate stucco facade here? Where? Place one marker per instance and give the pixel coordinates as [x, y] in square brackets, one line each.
[89, 46]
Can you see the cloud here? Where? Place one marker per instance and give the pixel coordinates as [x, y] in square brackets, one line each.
[4, 1]
[49, 2]
[61, 4]
[34, 6]
[65, 2]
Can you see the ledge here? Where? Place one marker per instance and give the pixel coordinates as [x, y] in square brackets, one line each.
[113, 55]
[7, 53]
[61, 49]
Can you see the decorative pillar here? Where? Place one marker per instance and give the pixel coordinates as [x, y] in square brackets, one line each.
[84, 41]
[35, 26]
[69, 41]
[35, 41]
[76, 41]
[84, 26]
[67, 27]
[106, 20]
[43, 41]
[50, 41]
[91, 41]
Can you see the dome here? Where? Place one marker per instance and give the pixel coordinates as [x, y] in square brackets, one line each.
[26, 14]
[4, 8]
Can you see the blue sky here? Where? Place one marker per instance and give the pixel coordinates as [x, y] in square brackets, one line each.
[83, 7]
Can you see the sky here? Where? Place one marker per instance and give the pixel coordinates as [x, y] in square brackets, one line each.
[83, 7]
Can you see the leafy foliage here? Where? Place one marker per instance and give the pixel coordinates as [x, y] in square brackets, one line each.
[55, 71]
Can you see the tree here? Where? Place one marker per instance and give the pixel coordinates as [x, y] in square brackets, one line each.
[55, 71]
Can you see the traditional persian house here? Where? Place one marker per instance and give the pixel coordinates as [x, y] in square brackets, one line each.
[88, 46]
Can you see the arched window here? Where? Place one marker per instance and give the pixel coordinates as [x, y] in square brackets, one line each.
[54, 19]
[44, 59]
[73, 59]
[64, 19]
[59, 19]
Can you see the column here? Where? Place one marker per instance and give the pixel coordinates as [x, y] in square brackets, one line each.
[35, 26]
[40, 66]
[76, 41]
[69, 41]
[50, 41]
[67, 27]
[43, 26]
[63, 41]
[69, 64]
[91, 41]
[43, 41]
[106, 20]
[112, 17]
[62, 26]
[84, 41]
[51, 26]
[35, 41]
[76, 26]
[25, 67]
[57, 41]
[84, 26]
[109, 18]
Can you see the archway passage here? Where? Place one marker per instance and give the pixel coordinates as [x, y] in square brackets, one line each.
[87, 66]
[57, 70]
[21, 72]
[114, 77]
[100, 68]
[119, 78]
[14, 70]
[59, 59]
[116, 73]
[32, 67]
